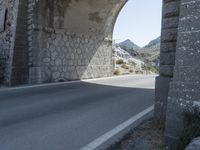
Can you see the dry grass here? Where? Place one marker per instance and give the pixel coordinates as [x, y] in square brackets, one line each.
[147, 136]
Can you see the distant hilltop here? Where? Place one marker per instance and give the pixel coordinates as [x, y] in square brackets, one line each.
[150, 53]
[130, 45]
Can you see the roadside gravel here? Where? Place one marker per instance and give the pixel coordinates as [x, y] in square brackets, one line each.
[147, 136]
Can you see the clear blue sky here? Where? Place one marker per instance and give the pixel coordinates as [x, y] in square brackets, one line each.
[139, 21]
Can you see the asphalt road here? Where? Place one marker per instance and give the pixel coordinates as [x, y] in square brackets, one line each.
[69, 116]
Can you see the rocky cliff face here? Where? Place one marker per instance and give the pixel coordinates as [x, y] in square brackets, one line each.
[152, 49]
[134, 50]
[122, 54]
[141, 60]
[154, 44]
[151, 52]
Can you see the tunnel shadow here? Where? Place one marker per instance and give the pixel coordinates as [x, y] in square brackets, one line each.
[25, 104]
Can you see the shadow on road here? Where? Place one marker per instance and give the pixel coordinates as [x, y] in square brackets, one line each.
[21, 105]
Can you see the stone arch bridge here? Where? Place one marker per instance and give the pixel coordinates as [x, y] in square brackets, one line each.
[51, 40]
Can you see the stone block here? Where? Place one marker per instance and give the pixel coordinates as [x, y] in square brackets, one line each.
[167, 58]
[167, 70]
[168, 47]
[171, 8]
[169, 23]
[169, 35]
[161, 96]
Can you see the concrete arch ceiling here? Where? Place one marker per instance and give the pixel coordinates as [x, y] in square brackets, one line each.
[84, 16]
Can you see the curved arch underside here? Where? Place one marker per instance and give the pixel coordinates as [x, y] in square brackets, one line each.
[72, 39]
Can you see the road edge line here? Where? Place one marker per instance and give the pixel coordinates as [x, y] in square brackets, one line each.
[105, 137]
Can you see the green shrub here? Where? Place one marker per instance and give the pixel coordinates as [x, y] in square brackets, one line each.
[151, 68]
[125, 66]
[120, 61]
[131, 70]
[138, 72]
[117, 72]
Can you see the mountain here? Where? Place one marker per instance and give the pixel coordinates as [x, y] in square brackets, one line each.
[119, 52]
[148, 54]
[154, 44]
[128, 45]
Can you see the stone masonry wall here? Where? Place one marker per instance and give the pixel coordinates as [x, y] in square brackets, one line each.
[20, 66]
[7, 39]
[70, 56]
[31, 45]
[57, 54]
[167, 55]
[184, 91]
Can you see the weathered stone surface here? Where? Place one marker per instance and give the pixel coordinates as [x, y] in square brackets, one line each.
[7, 39]
[171, 8]
[184, 90]
[167, 58]
[2, 19]
[161, 95]
[194, 145]
[170, 22]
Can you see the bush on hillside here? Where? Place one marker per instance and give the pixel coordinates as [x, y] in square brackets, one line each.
[131, 70]
[125, 66]
[120, 61]
[117, 72]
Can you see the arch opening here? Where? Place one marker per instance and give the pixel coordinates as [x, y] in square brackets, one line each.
[137, 38]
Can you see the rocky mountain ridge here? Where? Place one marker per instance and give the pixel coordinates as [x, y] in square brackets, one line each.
[130, 58]
[154, 44]
[128, 45]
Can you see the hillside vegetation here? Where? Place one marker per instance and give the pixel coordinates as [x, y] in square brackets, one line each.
[132, 59]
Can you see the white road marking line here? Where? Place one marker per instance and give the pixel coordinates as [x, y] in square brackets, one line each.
[99, 141]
